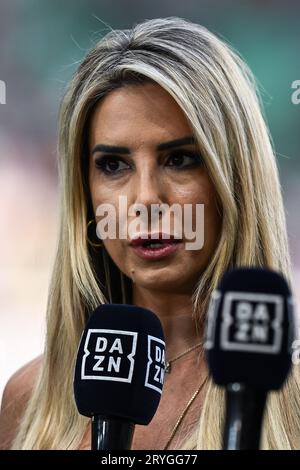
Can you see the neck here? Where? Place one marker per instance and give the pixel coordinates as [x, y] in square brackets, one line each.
[175, 313]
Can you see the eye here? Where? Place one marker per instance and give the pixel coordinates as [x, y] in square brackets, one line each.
[183, 159]
[111, 165]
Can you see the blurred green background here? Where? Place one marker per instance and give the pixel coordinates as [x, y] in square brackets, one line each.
[41, 43]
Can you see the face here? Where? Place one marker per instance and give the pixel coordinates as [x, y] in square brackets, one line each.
[140, 119]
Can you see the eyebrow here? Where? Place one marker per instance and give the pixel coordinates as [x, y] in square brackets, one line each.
[163, 146]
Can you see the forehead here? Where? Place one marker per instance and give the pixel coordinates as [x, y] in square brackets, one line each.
[139, 111]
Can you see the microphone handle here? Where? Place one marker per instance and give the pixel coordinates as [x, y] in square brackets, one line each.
[244, 414]
[111, 433]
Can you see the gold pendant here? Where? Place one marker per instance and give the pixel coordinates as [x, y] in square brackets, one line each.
[168, 368]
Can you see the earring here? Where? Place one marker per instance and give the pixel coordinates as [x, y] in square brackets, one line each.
[95, 245]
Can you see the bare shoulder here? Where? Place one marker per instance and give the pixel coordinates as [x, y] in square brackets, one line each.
[15, 398]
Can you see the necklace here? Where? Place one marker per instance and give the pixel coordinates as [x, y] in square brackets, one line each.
[168, 364]
[191, 400]
[179, 421]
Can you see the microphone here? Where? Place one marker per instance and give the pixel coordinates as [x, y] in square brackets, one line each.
[119, 372]
[249, 335]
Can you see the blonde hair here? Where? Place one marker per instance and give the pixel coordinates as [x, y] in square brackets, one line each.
[218, 94]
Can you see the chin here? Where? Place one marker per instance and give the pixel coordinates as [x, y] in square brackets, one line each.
[160, 279]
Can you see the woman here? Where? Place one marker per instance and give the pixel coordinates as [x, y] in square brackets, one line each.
[165, 80]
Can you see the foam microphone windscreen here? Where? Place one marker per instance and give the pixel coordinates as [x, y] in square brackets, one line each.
[250, 329]
[120, 364]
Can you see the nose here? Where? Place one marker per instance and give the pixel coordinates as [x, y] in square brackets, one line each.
[148, 188]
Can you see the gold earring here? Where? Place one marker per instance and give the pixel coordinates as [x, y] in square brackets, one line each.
[95, 245]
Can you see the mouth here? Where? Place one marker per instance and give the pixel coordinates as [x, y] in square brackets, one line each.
[155, 246]
[154, 240]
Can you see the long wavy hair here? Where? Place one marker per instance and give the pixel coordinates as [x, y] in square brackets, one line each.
[219, 97]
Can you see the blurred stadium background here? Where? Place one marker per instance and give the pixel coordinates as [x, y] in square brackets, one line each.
[40, 44]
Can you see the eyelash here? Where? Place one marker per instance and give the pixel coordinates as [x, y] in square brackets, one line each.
[101, 162]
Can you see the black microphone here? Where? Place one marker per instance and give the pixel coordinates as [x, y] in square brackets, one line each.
[119, 372]
[249, 335]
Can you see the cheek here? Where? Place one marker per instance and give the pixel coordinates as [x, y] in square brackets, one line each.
[95, 190]
[204, 193]
[119, 252]
[116, 250]
[194, 188]
[198, 191]
[102, 193]
[212, 219]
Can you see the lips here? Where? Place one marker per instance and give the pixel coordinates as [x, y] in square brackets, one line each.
[155, 246]
[158, 239]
